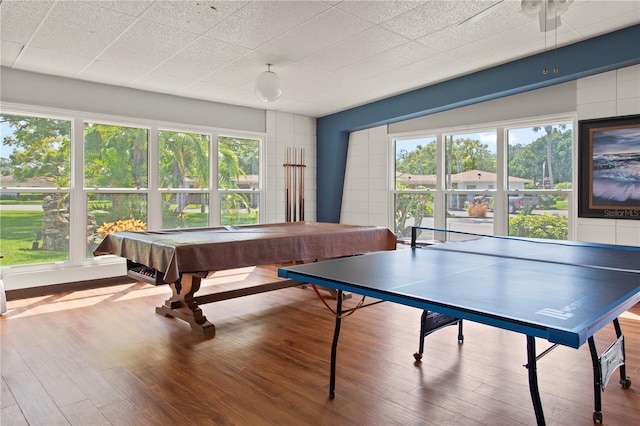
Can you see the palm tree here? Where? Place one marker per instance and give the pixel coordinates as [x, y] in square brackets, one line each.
[549, 131]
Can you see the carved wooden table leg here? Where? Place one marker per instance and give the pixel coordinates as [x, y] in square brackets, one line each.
[183, 306]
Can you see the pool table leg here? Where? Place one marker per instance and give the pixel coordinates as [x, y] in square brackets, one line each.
[182, 305]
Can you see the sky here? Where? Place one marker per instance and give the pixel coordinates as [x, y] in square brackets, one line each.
[5, 130]
[618, 141]
[522, 136]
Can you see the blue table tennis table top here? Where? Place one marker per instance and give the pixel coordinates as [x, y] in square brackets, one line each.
[561, 291]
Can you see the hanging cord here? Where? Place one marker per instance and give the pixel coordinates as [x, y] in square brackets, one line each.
[351, 311]
[555, 43]
[544, 4]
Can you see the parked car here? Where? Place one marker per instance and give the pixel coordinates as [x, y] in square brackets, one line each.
[518, 201]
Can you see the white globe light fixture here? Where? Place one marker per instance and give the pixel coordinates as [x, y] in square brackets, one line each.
[268, 87]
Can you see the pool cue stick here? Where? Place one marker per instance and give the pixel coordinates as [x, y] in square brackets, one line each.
[302, 184]
[293, 185]
[289, 185]
[286, 184]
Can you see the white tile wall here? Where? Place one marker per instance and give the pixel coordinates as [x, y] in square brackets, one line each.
[365, 200]
[288, 131]
[610, 94]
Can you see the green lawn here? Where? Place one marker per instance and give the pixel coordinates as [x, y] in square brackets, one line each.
[17, 233]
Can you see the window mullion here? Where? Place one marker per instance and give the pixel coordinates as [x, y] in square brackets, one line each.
[77, 205]
[154, 197]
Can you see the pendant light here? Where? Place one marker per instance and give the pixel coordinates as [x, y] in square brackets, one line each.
[268, 87]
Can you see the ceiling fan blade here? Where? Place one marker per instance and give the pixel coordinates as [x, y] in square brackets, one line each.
[531, 8]
[480, 15]
[550, 24]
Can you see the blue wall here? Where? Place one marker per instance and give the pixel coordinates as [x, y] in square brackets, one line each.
[611, 51]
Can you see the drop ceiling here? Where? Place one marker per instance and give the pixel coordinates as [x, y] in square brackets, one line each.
[329, 55]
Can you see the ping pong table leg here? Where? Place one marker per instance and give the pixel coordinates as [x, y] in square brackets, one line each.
[334, 346]
[423, 325]
[533, 379]
[430, 322]
[597, 373]
[601, 376]
[624, 380]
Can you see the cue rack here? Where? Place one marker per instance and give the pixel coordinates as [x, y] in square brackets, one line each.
[294, 184]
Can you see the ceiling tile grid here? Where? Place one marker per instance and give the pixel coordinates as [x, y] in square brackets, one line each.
[330, 55]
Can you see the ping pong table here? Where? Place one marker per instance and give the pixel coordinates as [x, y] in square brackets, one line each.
[182, 257]
[560, 291]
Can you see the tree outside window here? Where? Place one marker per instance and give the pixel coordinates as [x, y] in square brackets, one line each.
[239, 180]
[36, 172]
[538, 177]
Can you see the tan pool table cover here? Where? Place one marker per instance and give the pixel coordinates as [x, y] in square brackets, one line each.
[173, 252]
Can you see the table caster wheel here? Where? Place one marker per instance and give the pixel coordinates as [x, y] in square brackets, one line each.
[625, 383]
[332, 395]
[417, 356]
[597, 416]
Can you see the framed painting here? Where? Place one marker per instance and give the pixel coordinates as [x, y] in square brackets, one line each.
[609, 168]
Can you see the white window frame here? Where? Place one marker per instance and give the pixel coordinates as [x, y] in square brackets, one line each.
[78, 193]
[501, 190]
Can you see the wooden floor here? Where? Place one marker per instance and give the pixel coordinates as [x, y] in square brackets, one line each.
[103, 357]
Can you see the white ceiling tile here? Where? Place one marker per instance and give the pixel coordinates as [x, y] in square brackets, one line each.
[248, 98]
[316, 34]
[433, 16]
[348, 96]
[584, 15]
[193, 16]
[245, 70]
[329, 54]
[326, 82]
[93, 28]
[477, 51]
[297, 74]
[202, 57]
[204, 90]
[110, 73]
[498, 21]
[261, 21]
[378, 11]
[19, 19]
[51, 62]
[9, 51]
[354, 49]
[146, 44]
[133, 8]
[602, 17]
[384, 62]
[428, 71]
[607, 25]
[160, 82]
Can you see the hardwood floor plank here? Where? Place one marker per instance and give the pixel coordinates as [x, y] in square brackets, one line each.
[269, 364]
[12, 416]
[35, 403]
[84, 413]
[6, 397]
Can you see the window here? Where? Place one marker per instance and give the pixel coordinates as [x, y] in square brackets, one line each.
[66, 183]
[415, 184]
[239, 180]
[115, 180]
[184, 166]
[514, 180]
[36, 171]
[470, 175]
[540, 180]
